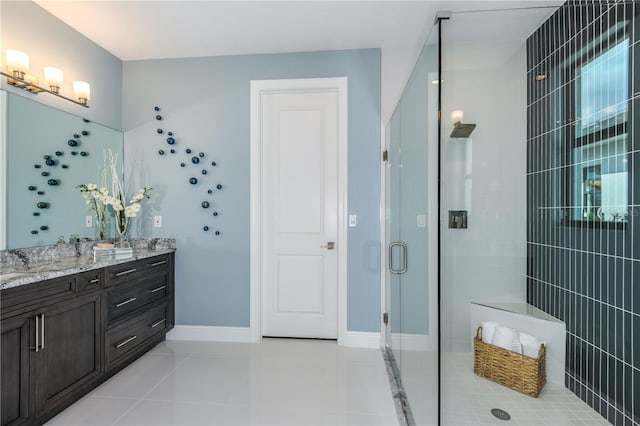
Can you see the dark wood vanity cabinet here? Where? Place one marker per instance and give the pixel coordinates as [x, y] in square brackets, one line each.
[63, 337]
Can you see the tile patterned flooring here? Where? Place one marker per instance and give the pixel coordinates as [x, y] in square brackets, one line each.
[275, 382]
[306, 382]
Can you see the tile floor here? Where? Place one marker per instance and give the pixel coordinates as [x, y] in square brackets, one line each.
[307, 382]
[275, 382]
[468, 399]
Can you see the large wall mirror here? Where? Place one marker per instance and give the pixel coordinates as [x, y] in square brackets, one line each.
[46, 154]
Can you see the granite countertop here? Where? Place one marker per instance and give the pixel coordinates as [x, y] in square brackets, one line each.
[19, 275]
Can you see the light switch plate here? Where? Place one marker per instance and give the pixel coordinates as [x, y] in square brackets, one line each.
[88, 221]
[157, 221]
[353, 220]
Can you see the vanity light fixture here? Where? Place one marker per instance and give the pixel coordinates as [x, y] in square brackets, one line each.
[18, 76]
[53, 77]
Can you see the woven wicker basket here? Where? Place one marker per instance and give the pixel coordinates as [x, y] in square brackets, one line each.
[519, 372]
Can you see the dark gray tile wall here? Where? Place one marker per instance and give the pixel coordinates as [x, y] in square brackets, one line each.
[586, 273]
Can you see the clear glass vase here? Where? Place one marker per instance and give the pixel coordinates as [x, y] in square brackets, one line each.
[122, 226]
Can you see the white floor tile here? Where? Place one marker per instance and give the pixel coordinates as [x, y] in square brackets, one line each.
[90, 411]
[278, 382]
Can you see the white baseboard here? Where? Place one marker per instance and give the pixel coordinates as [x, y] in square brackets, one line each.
[356, 339]
[210, 333]
[362, 339]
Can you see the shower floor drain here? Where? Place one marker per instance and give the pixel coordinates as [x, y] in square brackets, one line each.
[501, 414]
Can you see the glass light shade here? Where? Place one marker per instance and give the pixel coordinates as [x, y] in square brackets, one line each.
[82, 90]
[17, 61]
[457, 116]
[53, 77]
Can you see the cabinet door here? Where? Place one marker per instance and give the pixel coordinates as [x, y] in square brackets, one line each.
[17, 367]
[70, 360]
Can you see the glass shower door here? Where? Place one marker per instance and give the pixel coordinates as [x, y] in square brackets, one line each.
[411, 333]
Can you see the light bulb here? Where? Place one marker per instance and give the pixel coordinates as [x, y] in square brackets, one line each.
[53, 78]
[82, 91]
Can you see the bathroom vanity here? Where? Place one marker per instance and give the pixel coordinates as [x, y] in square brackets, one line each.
[68, 329]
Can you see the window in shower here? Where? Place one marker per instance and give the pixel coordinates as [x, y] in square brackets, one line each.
[599, 150]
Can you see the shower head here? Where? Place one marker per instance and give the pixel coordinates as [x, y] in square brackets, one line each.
[462, 130]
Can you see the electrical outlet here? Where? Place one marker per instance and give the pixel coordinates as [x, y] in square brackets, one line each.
[88, 221]
[421, 220]
[157, 221]
[353, 220]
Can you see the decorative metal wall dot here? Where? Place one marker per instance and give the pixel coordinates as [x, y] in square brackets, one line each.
[217, 232]
[205, 204]
[205, 228]
[36, 213]
[84, 153]
[53, 182]
[161, 152]
[73, 142]
[85, 133]
[182, 164]
[210, 191]
[45, 173]
[65, 166]
[42, 205]
[158, 117]
[77, 136]
[51, 162]
[171, 141]
[169, 133]
[34, 232]
[74, 152]
[204, 172]
[193, 181]
[32, 188]
[47, 157]
[86, 120]
[44, 228]
[188, 150]
[160, 131]
[213, 163]
[201, 155]
[215, 213]
[156, 108]
[59, 153]
[40, 192]
[195, 160]
[173, 151]
[36, 166]
[219, 186]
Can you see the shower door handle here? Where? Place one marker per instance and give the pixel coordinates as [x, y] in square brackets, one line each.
[403, 246]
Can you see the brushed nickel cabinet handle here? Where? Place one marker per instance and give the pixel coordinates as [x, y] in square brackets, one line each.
[129, 340]
[94, 281]
[128, 271]
[162, 262]
[37, 347]
[158, 289]
[42, 332]
[158, 323]
[126, 302]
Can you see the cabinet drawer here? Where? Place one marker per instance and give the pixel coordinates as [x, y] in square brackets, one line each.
[128, 335]
[90, 281]
[126, 298]
[45, 292]
[134, 270]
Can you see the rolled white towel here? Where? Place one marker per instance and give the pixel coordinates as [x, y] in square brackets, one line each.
[506, 338]
[488, 328]
[530, 344]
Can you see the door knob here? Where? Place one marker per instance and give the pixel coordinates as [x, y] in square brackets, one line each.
[329, 246]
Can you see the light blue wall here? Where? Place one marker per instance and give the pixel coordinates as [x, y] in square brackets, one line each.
[48, 41]
[205, 102]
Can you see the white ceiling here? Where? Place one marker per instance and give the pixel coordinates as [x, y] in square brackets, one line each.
[136, 30]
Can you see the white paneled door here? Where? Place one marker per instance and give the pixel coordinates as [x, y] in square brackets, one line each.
[300, 134]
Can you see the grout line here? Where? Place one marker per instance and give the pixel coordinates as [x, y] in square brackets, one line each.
[583, 251]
